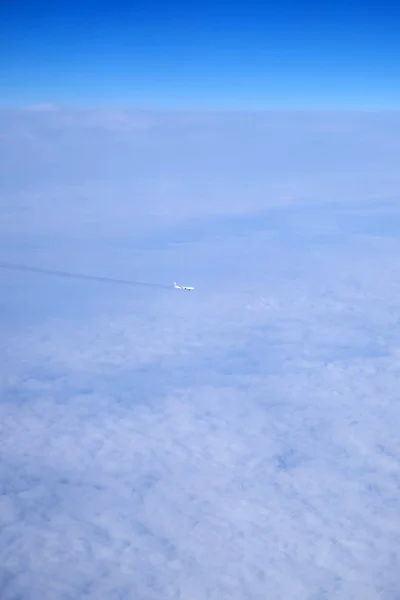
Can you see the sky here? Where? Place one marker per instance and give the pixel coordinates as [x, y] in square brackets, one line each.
[238, 441]
[204, 55]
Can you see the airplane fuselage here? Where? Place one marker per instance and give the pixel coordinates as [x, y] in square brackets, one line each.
[183, 287]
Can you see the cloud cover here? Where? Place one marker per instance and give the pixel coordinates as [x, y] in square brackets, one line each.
[238, 442]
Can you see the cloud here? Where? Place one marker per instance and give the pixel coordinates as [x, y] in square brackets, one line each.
[241, 441]
[183, 165]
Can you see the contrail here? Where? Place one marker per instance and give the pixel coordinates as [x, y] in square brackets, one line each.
[17, 267]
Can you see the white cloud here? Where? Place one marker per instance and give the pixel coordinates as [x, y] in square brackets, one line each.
[238, 442]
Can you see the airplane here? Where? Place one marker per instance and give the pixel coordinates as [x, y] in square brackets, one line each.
[183, 287]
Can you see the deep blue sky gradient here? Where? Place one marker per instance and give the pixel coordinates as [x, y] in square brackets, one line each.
[210, 54]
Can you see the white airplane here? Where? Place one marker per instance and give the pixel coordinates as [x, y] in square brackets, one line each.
[183, 287]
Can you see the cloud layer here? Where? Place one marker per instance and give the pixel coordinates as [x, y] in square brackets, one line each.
[238, 442]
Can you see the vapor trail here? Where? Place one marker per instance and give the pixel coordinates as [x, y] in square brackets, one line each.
[17, 267]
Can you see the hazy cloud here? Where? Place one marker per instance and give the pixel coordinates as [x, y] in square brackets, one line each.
[237, 442]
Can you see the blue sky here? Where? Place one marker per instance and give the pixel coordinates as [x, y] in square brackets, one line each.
[240, 441]
[204, 55]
